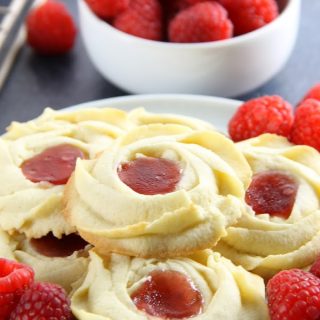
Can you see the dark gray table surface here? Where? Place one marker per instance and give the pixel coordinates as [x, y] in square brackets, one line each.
[36, 82]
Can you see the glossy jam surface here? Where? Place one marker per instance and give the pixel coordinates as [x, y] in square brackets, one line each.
[272, 192]
[150, 176]
[168, 295]
[54, 165]
[51, 246]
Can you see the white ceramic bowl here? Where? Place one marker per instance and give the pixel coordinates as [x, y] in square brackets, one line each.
[224, 68]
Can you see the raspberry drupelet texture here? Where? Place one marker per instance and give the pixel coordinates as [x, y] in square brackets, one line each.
[249, 15]
[268, 114]
[143, 18]
[202, 22]
[306, 126]
[43, 301]
[315, 268]
[50, 28]
[294, 295]
[14, 279]
[106, 9]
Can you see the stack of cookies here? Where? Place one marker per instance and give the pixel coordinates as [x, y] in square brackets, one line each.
[151, 216]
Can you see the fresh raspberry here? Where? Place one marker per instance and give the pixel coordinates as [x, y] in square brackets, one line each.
[202, 22]
[14, 279]
[294, 295]
[50, 28]
[315, 269]
[268, 114]
[106, 9]
[249, 15]
[313, 93]
[306, 126]
[45, 301]
[143, 18]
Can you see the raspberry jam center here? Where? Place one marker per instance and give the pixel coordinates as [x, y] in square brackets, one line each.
[50, 246]
[54, 165]
[150, 176]
[168, 295]
[272, 192]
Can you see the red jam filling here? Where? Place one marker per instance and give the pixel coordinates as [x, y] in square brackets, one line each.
[150, 176]
[168, 295]
[50, 246]
[54, 165]
[272, 192]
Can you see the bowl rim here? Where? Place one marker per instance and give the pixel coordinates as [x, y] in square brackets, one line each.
[212, 44]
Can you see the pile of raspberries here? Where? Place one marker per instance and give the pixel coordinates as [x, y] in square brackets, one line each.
[186, 21]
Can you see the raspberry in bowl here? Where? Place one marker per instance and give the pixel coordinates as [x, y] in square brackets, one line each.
[223, 67]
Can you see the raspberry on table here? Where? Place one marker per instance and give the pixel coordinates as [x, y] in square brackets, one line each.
[50, 28]
[306, 126]
[106, 9]
[202, 22]
[267, 114]
[14, 279]
[143, 18]
[294, 295]
[249, 15]
[45, 301]
[313, 93]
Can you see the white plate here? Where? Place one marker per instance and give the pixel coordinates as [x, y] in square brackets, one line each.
[215, 110]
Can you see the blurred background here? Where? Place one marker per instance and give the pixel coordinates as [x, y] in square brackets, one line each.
[35, 81]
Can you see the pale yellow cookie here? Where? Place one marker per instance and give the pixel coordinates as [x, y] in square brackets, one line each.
[207, 199]
[266, 244]
[64, 271]
[228, 292]
[140, 116]
[91, 126]
[35, 209]
[7, 246]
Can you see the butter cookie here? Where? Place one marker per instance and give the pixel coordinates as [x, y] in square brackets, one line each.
[281, 226]
[159, 190]
[203, 287]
